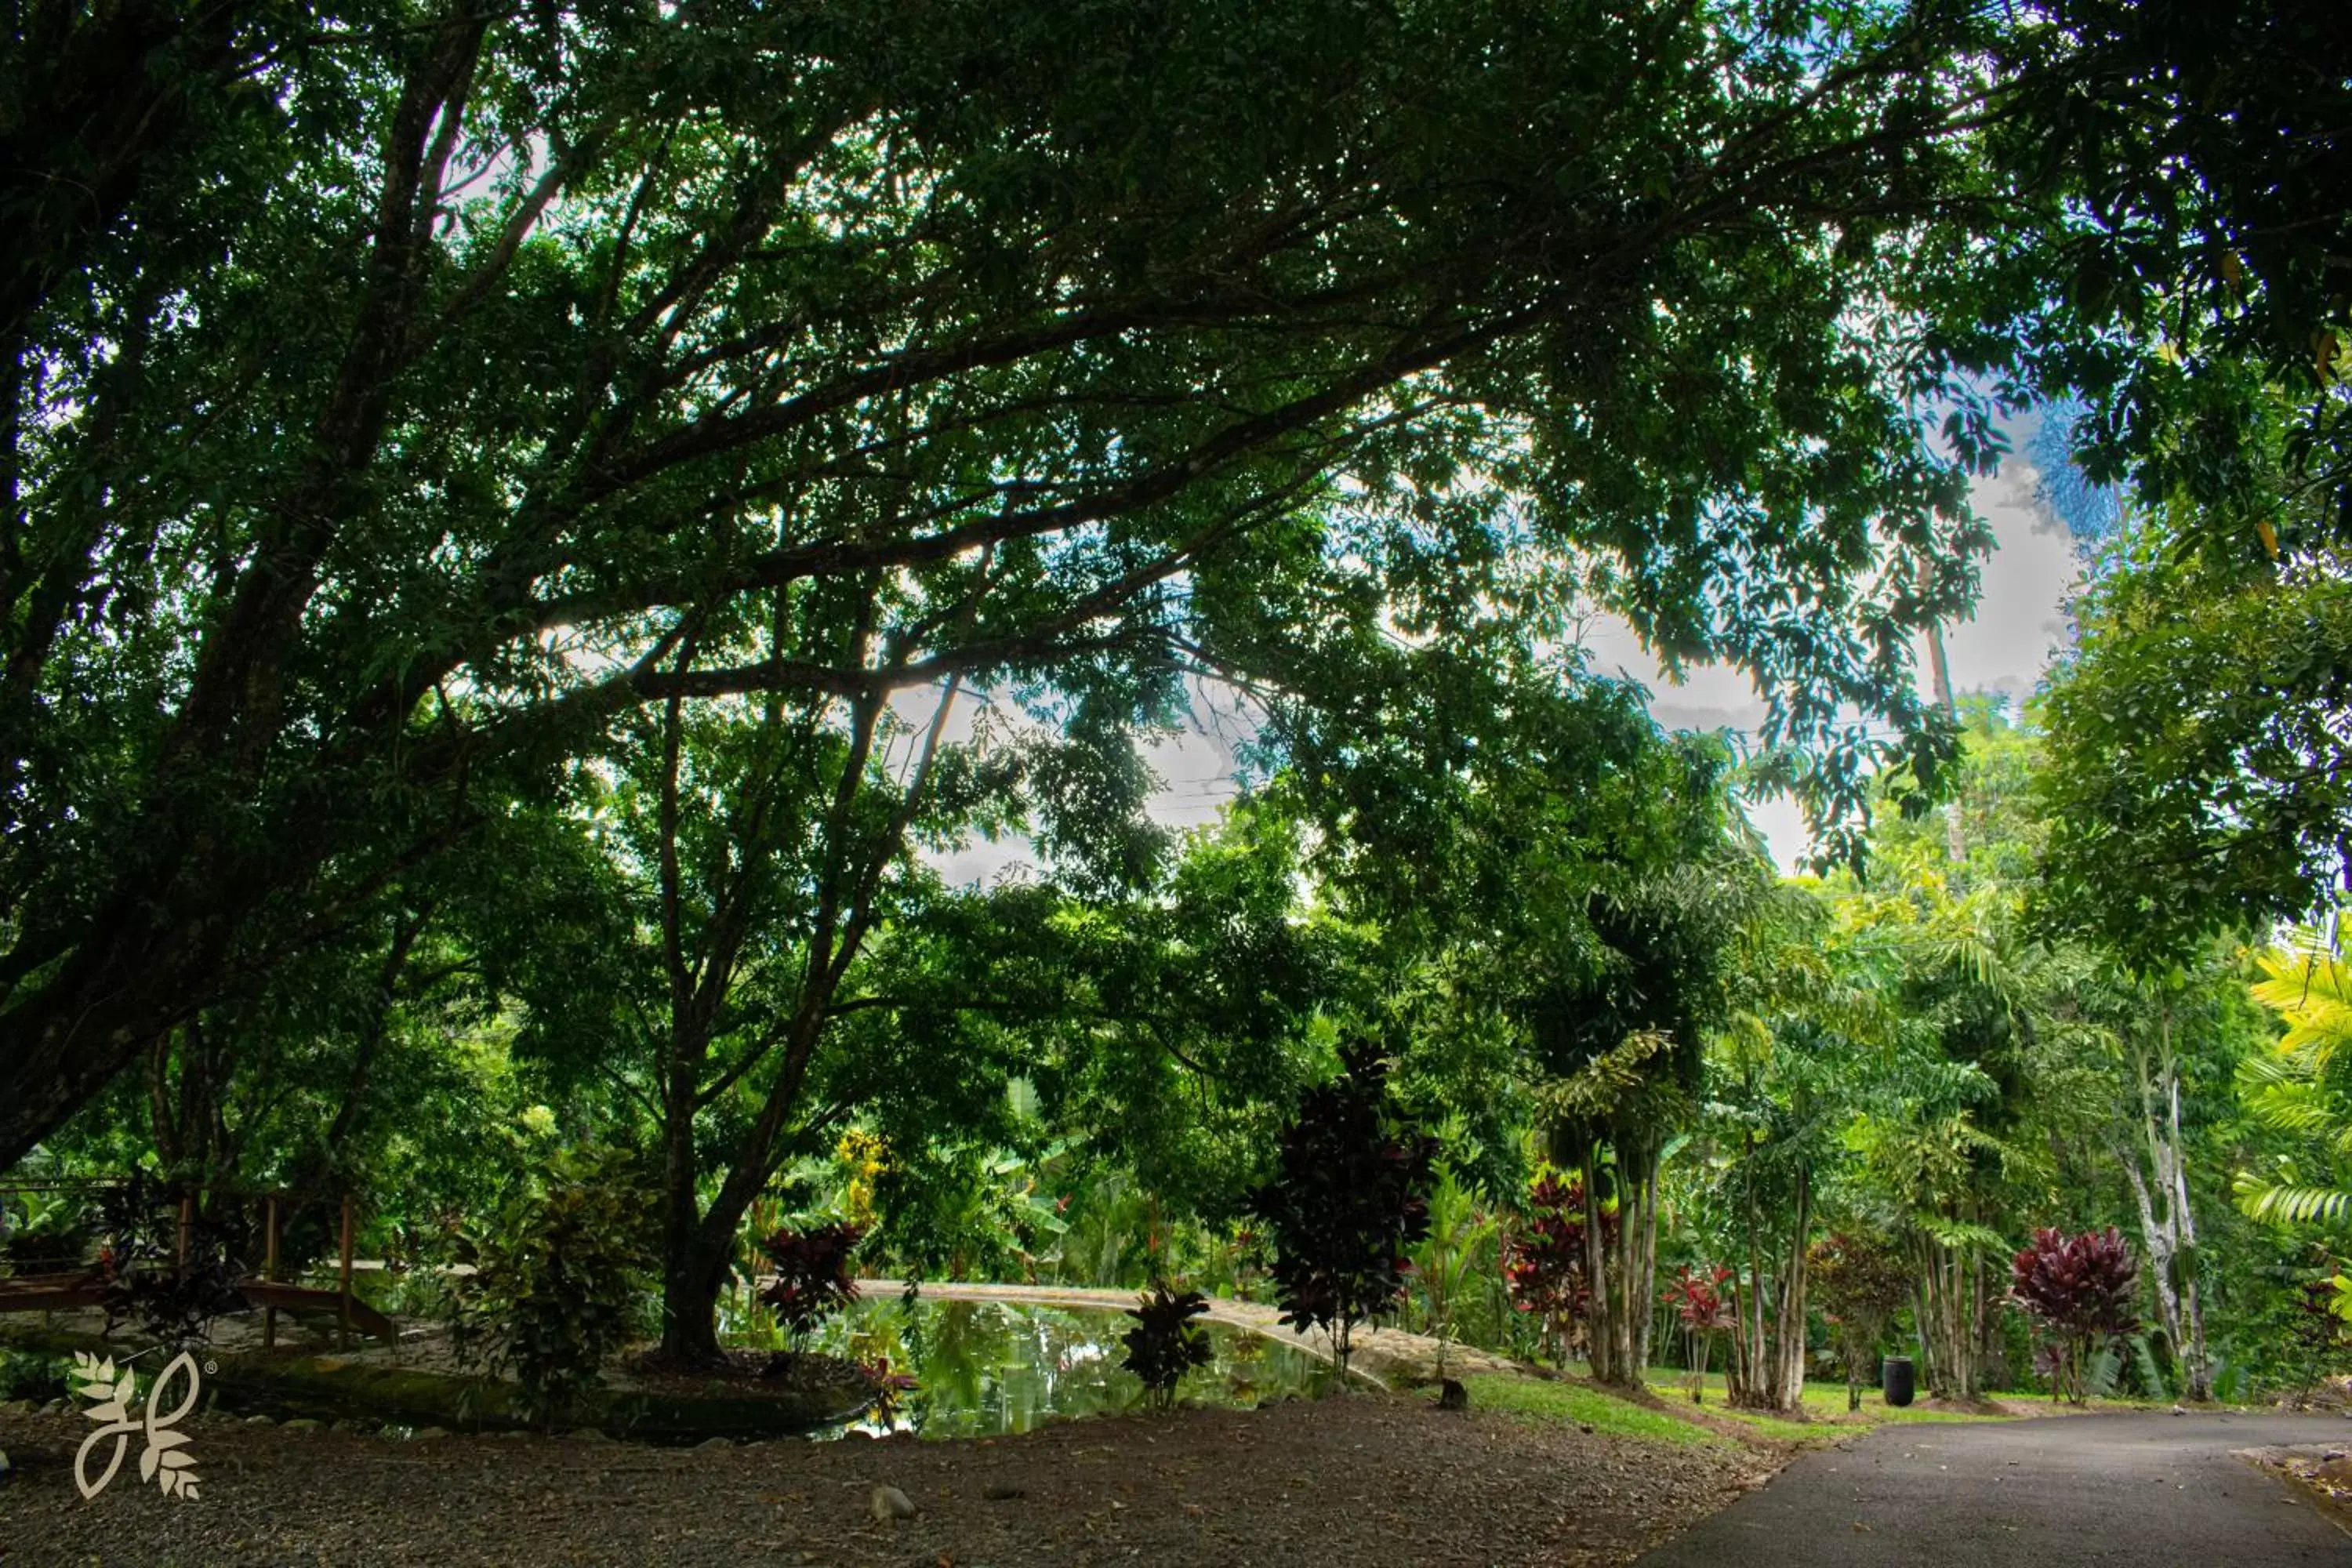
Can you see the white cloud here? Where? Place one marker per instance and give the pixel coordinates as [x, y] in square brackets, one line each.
[2019, 625]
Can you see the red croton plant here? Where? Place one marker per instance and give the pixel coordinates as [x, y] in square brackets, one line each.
[1544, 1258]
[2083, 1290]
[1704, 1309]
[811, 1278]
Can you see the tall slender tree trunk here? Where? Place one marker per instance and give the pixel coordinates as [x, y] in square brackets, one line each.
[1787, 1380]
[1620, 1276]
[2166, 1220]
[1767, 1358]
[1956, 841]
[1946, 1300]
[1600, 1336]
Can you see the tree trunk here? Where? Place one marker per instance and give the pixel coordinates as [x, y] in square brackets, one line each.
[689, 1288]
[1945, 1301]
[1956, 843]
[1599, 1339]
[1786, 1378]
[1622, 1279]
[693, 1274]
[1621, 1276]
[2168, 1223]
[1767, 1360]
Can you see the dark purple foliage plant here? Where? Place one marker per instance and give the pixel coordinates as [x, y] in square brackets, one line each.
[1165, 1342]
[811, 1278]
[1350, 1195]
[2083, 1290]
[1544, 1258]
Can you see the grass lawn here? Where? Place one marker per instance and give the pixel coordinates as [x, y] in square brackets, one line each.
[1822, 1402]
[1537, 1399]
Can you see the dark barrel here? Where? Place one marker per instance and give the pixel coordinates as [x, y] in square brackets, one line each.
[1895, 1379]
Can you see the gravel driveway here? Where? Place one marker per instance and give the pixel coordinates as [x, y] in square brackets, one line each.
[1362, 1479]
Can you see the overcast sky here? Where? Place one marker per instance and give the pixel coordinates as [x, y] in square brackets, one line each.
[2020, 623]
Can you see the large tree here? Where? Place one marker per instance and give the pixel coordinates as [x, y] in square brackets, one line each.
[397, 398]
[2199, 772]
[2197, 745]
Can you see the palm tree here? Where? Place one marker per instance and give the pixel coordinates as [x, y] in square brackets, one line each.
[2302, 1085]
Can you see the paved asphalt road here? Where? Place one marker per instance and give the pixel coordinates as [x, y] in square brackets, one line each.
[2141, 1489]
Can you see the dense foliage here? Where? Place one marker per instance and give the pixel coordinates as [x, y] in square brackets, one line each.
[409, 411]
[532, 542]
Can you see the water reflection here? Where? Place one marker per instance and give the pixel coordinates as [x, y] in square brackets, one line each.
[987, 1368]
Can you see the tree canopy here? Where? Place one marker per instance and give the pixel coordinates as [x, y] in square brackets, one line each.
[407, 397]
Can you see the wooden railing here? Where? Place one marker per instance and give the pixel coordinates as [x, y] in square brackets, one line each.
[88, 1284]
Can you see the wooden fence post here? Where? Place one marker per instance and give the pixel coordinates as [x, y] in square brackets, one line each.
[344, 1338]
[269, 1270]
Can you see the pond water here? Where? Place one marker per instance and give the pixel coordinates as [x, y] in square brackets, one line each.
[977, 1369]
[989, 1368]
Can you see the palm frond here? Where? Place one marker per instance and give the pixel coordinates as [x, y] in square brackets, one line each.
[2283, 1204]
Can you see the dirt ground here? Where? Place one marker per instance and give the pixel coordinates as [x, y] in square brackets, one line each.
[2322, 1473]
[1361, 1478]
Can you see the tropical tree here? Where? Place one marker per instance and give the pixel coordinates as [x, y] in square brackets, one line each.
[1619, 1042]
[1347, 1197]
[1862, 1283]
[750, 849]
[2198, 778]
[396, 404]
[1793, 1063]
[2134, 1077]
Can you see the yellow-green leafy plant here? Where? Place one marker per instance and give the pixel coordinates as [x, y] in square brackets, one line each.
[2301, 1088]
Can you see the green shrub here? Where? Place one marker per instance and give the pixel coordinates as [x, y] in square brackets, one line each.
[33, 1374]
[562, 1280]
